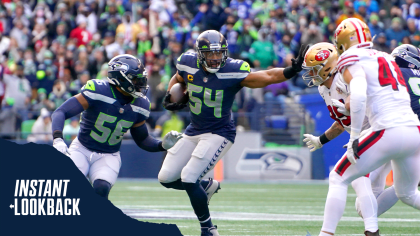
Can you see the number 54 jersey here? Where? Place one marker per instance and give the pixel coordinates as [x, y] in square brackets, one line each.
[109, 116]
[388, 102]
[211, 95]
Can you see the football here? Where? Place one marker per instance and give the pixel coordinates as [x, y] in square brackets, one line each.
[179, 93]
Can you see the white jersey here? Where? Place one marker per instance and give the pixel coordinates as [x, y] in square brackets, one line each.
[335, 93]
[388, 102]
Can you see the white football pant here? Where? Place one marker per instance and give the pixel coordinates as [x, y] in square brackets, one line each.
[105, 166]
[192, 157]
[401, 146]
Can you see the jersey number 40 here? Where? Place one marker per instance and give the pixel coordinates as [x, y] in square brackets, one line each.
[386, 77]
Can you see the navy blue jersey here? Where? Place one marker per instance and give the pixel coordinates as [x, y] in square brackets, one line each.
[412, 80]
[106, 120]
[212, 95]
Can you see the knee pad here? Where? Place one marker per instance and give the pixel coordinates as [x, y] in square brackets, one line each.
[336, 180]
[408, 199]
[102, 187]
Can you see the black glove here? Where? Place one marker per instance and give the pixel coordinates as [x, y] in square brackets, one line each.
[172, 106]
[297, 62]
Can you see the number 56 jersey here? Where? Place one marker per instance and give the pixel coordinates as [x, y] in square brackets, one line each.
[211, 95]
[388, 102]
[109, 116]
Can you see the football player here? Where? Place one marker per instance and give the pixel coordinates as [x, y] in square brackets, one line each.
[407, 58]
[378, 91]
[110, 108]
[320, 63]
[212, 79]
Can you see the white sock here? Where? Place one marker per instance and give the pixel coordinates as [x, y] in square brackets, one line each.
[335, 205]
[386, 200]
[324, 234]
[366, 203]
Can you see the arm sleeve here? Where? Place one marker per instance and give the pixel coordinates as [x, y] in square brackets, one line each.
[358, 88]
[144, 140]
[67, 110]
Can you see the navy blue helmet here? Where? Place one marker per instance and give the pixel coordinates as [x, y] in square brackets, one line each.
[212, 50]
[407, 56]
[128, 73]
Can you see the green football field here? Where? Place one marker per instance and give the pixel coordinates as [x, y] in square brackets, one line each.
[255, 209]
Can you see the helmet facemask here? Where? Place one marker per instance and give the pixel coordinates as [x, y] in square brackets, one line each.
[213, 60]
[135, 85]
[312, 75]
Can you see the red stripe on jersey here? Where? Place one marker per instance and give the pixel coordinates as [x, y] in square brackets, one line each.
[357, 31]
[367, 176]
[345, 58]
[346, 64]
[364, 34]
[419, 128]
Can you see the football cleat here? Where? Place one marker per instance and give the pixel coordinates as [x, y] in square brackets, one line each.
[212, 188]
[212, 231]
[367, 233]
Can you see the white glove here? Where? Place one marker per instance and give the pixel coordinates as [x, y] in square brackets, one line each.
[339, 83]
[61, 146]
[312, 142]
[170, 139]
[341, 107]
[351, 153]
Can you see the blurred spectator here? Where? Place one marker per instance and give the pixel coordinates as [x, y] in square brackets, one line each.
[371, 6]
[19, 89]
[47, 72]
[349, 12]
[215, 16]
[115, 48]
[313, 35]
[71, 130]
[42, 101]
[380, 43]
[80, 34]
[128, 28]
[375, 26]
[59, 94]
[262, 53]
[166, 123]
[4, 43]
[413, 32]
[241, 8]
[21, 33]
[87, 14]
[77, 85]
[396, 32]
[8, 117]
[415, 8]
[109, 20]
[42, 129]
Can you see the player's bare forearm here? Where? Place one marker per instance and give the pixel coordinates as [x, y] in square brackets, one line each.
[263, 78]
[334, 131]
[174, 80]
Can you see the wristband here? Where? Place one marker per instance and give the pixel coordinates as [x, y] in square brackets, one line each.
[323, 139]
[58, 134]
[289, 72]
[161, 146]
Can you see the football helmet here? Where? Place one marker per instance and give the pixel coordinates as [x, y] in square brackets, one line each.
[407, 56]
[128, 73]
[211, 47]
[350, 32]
[320, 62]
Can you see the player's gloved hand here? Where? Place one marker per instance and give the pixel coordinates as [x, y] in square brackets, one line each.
[341, 107]
[351, 153]
[312, 142]
[339, 83]
[172, 106]
[61, 146]
[170, 139]
[297, 62]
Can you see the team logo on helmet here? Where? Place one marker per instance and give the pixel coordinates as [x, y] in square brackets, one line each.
[118, 66]
[322, 55]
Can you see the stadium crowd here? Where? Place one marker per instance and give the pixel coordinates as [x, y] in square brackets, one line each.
[50, 49]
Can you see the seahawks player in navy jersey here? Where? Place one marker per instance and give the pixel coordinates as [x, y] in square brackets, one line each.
[407, 58]
[109, 109]
[213, 79]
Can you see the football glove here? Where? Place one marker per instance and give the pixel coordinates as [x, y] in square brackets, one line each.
[312, 142]
[339, 83]
[170, 139]
[61, 146]
[351, 153]
[297, 62]
[172, 106]
[341, 107]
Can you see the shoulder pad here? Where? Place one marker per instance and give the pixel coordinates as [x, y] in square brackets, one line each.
[347, 59]
[142, 106]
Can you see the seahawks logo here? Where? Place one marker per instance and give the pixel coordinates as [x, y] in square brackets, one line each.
[119, 66]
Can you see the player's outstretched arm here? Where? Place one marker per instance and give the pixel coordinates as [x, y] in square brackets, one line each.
[167, 104]
[146, 142]
[316, 142]
[73, 106]
[261, 79]
[355, 76]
